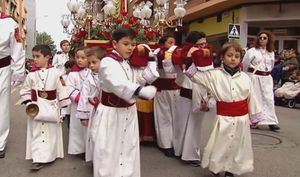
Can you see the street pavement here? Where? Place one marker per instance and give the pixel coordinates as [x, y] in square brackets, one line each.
[275, 153]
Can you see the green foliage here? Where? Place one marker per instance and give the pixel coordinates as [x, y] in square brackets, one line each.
[44, 38]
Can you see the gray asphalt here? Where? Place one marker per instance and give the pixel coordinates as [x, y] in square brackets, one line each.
[276, 153]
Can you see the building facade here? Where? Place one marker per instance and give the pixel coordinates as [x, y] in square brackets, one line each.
[16, 9]
[30, 26]
[280, 17]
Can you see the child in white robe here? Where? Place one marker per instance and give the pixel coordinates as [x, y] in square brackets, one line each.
[44, 139]
[117, 151]
[229, 148]
[90, 99]
[79, 73]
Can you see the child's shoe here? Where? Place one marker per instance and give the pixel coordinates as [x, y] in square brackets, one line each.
[36, 166]
[228, 174]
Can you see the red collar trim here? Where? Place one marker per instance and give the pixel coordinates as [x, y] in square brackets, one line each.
[76, 68]
[3, 15]
[34, 68]
[115, 56]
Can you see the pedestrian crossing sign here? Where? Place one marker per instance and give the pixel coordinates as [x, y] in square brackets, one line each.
[234, 31]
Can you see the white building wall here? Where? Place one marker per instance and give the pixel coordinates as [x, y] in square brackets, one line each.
[30, 26]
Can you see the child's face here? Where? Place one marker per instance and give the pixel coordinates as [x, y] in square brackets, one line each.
[65, 47]
[40, 60]
[124, 46]
[170, 42]
[232, 58]
[81, 59]
[94, 63]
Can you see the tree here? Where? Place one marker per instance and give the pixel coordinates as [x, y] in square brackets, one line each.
[44, 38]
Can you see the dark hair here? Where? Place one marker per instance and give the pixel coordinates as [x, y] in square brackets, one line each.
[123, 32]
[69, 64]
[63, 42]
[237, 47]
[44, 49]
[270, 45]
[164, 39]
[97, 51]
[79, 48]
[194, 36]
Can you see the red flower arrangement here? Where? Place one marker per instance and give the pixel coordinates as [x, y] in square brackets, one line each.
[103, 31]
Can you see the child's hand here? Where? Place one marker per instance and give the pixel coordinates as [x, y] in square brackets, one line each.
[84, 122]
[193, 49]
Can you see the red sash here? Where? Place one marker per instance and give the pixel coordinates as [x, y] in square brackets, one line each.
[261, 73]
[5, 61]
[165, 84]
[51, 94]
[237, 108]
[112, 100]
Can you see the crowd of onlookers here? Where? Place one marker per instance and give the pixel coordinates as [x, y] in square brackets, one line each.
[286, 66]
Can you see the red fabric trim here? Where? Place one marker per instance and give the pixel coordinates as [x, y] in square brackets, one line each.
[186, 93]
[202, 59]
[165, 84]
[3, 15]
[261, 73]
[95, 102]
[51, 94]
[76, 68]
[139, 58]
[237, 108]
[35, 68]
[112, 100]
[115, 56]
[5, 61]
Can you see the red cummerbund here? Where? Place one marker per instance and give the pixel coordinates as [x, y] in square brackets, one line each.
[165, 84]
[51, 94]
[5, 61]
[187, 93]
[112, 100]
[237, 108]
[261, 73]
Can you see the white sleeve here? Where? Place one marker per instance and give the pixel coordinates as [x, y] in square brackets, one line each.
[84, 107]
[148, 74]
[112, 76]
[54, 61]
[247, 59]
[63, 96]
[71, 86]
[18, 58]
[25, 92]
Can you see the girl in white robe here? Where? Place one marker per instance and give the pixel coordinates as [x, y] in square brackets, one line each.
[90, 99]
[44, 141]
[229, 147]
[79, 73]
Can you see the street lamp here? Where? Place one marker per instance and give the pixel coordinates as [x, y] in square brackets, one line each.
[143, 11]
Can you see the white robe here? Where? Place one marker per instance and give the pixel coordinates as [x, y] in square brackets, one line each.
[164, 113]
[59, 61]
[77, 132]
[44, 141]
[9, 47]
[117, 149]
[229, 147]
[263, 85]
[90, 88]
[187, 124]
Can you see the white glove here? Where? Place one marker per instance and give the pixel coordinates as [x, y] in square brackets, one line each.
[147, 92]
